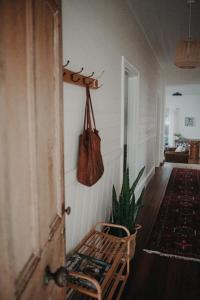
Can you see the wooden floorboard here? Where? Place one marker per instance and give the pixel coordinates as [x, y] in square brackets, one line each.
[153, 277]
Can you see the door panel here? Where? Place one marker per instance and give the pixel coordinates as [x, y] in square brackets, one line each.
[47, 115]
[31, 159]
[19, 150]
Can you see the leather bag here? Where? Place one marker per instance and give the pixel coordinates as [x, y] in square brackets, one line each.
[90, 163]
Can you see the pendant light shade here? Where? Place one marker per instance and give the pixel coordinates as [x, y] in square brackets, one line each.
[187, 54]
[188, 51]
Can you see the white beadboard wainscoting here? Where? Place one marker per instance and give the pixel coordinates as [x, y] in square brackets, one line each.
[89, 204]
[92, 204]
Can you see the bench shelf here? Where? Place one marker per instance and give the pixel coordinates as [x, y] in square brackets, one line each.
[113, 250]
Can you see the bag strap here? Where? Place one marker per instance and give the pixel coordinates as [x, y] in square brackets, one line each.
[87, 119]
[91, 108]
[88, 111]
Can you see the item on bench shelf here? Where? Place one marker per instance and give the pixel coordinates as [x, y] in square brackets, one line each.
[88, 265]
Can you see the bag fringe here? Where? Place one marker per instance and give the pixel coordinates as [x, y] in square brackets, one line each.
[171, 255]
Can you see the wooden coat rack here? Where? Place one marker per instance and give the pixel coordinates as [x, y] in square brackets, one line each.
[79, 79]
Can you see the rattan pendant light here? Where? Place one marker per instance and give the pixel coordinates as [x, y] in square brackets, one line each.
[188, 51]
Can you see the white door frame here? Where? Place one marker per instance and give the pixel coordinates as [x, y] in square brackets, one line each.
[160, 120]
[158, 130]
[133, 110]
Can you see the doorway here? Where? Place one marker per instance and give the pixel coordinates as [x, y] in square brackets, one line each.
[129, 117]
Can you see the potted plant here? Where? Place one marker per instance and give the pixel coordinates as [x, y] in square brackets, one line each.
[126, 208]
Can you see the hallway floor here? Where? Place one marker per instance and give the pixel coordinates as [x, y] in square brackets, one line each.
[153, 277]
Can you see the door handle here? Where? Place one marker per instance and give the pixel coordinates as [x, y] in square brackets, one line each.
[60, 276]
[68, 210]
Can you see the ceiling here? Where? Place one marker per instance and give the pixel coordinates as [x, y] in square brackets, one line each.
[164, 22]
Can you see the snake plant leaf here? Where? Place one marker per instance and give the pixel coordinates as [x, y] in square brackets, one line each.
[125, 185]
[115, 206]
[131, 214]
[121, 210]
[137, 180]
[124, 199]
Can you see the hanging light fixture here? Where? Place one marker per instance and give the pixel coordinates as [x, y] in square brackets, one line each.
[188, 51]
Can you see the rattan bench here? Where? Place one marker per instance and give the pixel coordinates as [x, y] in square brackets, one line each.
[113, 250]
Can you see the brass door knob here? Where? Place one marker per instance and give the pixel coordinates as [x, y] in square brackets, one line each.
[68, 210]
[60, 276]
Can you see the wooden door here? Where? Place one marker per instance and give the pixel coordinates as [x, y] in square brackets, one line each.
[31, 148]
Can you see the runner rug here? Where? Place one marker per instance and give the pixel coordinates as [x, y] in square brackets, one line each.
[176, 232]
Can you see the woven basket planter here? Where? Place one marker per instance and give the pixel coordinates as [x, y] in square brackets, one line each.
[132, 239]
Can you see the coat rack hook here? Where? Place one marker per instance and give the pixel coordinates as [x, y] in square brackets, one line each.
[85, 78]
[72, 75]
[95, 82]
[67, 63]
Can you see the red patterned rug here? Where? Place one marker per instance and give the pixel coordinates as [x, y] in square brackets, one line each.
[176, 232]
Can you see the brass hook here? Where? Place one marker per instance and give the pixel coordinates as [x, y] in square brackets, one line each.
[84, 79]
[72, 75]
[68, 61]
[96, 80]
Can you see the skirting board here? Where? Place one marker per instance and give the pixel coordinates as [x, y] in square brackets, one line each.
[171, 255]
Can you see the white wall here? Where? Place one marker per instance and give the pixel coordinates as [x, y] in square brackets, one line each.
[95, 35]
[179, 108]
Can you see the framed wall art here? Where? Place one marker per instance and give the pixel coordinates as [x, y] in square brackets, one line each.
[189, 121]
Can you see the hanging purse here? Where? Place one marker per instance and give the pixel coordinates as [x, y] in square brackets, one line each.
[90, 163]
